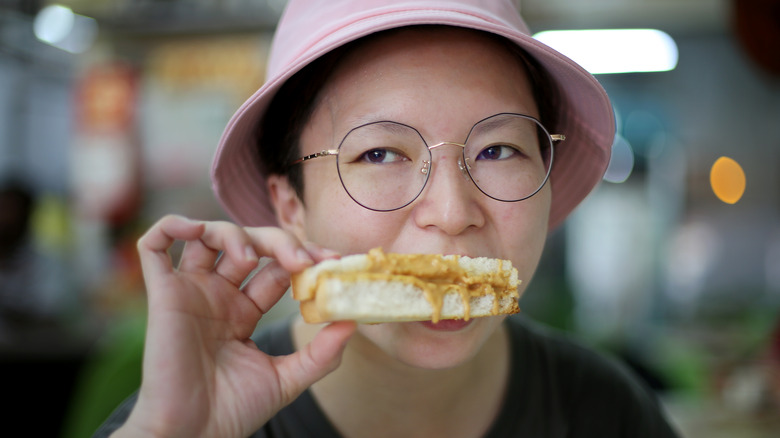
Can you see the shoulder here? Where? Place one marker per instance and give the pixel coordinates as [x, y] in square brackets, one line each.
[561, 352]
[588, 386]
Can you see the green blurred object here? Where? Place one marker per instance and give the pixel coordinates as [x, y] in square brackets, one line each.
[111, 373]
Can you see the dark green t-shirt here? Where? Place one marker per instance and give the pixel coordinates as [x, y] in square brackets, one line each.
[557, 388]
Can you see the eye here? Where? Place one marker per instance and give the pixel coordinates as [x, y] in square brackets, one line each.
[380, 156]
[497, 152]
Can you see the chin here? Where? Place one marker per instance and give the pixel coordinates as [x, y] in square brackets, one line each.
[433, 346]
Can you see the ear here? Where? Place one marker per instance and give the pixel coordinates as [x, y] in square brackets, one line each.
[289, 208]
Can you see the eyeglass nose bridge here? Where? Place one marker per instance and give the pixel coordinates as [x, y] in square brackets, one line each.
[463, 163]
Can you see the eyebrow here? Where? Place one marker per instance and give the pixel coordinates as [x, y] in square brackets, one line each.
[491, 122]
[494, 122]
[388, 125]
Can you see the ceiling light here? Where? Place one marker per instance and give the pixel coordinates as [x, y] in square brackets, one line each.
[615, 50]
[60, 27]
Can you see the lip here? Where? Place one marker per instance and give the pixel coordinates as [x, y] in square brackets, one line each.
[447, 325]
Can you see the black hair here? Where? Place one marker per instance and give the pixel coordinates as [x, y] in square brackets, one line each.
[279, 133]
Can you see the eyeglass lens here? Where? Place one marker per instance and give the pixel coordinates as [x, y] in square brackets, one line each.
[385, 165]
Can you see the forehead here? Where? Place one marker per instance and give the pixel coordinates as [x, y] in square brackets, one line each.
[408, 63]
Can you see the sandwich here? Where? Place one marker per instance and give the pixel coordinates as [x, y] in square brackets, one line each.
[386, 287]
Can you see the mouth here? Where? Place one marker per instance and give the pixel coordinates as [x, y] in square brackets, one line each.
[447, 325]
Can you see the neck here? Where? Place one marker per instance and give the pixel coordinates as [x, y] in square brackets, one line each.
[371, 387]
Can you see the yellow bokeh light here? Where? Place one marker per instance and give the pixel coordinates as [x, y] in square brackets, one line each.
[727, 180]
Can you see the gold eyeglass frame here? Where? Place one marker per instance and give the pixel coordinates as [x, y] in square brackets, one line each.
[462, 163]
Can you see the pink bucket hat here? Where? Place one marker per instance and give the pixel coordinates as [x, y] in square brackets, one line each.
[311, 28]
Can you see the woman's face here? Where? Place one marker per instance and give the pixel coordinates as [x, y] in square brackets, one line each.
[441, 82]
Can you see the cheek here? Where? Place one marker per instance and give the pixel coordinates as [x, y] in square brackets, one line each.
[524, 229]
[334, 220]
[526, 219]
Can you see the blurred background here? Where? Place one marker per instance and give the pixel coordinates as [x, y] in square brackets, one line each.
[110, 111]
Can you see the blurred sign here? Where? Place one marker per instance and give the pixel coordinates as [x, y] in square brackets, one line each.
[191, 87]
[106, 98]
[105, 162]
[234, 64]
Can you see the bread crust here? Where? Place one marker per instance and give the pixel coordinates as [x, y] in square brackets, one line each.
[376, 287]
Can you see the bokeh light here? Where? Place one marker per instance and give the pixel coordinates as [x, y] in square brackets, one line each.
[727, 180]
[53, 24]
[621, 162]
[60, 27]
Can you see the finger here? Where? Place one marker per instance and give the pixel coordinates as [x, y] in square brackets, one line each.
[196, 256]
[268, 286]
[300, 370]
[270, 283]
[238, 257]
[153, 246]
[282, 246]
[319, 253]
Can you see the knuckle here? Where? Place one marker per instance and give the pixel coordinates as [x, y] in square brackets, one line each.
[142, 243]
[279, 276]
[167, 219]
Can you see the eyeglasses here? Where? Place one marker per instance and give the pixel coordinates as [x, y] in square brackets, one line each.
[385, 165]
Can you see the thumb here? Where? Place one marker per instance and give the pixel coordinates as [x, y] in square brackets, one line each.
[300, 370]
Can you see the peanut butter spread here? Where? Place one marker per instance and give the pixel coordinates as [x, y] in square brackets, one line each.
[436, 276]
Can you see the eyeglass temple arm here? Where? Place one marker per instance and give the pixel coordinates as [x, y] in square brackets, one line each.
[557, 137]
[323, 153]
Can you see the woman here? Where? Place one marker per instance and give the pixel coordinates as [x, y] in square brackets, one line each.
[464, 77]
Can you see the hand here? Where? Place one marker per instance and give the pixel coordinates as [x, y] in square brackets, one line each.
[202, 375]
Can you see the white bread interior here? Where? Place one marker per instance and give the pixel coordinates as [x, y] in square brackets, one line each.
[374, 301]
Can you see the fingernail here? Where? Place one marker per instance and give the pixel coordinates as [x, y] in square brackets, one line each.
[190, 220]
[329, 253]
[304, 256]
[250, 254]
[323, 253]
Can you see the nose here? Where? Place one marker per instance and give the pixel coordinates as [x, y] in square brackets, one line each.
[449, 202]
